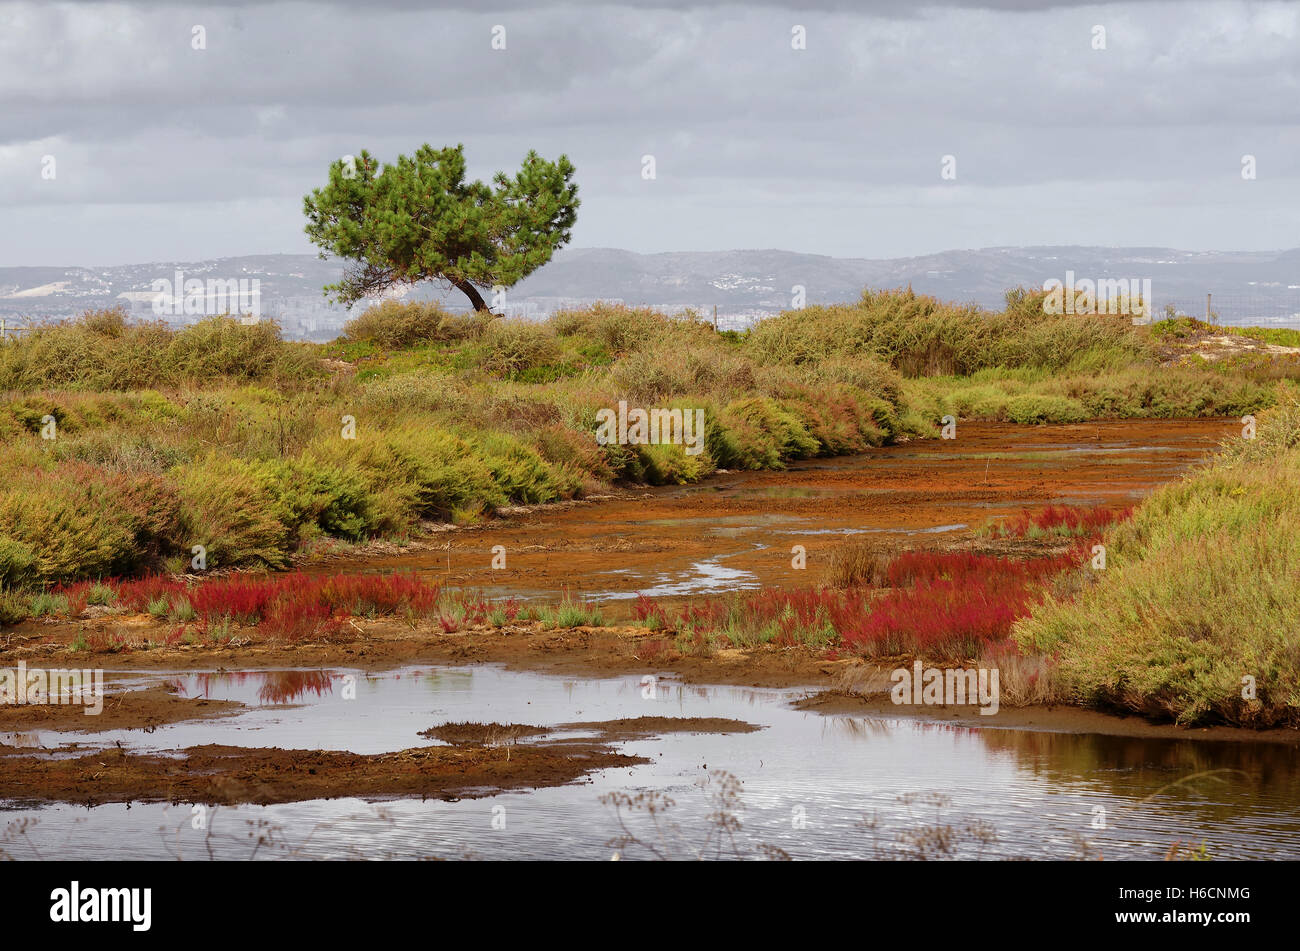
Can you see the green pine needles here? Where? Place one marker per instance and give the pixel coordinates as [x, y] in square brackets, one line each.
[419, 220]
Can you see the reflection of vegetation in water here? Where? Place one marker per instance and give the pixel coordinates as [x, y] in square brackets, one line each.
[287, 686]
[920, 829]
[919, 836]
[441, 680]
[1126, 766]
[1203, 782]
[276, 686]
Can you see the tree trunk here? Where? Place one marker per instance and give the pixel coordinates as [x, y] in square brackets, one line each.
[470, 291]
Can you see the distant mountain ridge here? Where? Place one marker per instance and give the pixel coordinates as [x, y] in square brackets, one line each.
[1259, 286]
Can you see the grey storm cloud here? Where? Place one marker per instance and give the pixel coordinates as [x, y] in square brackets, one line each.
[165, 151]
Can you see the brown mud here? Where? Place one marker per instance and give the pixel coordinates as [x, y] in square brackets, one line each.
[635, 728]
[225, 775]
[628, 728]
[144, 709]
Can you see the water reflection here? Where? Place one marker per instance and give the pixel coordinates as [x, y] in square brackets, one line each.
[273, 686]
[809, 781]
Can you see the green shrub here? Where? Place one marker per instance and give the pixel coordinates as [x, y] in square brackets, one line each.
[16, 561]
[45, 604]
[763, 435]
[316, 497]
[100, 594]
[656, 375]
[872, 376]
[13, 607]
[1179, 328]
[518, 470]
[1278, 336]
[420, 391]
[103, 351]
[921, 336]
[1032, 408]
[229, 507]
[669, 464]
[614, 327]
[227, 348]
[77, 521]
[61, 531]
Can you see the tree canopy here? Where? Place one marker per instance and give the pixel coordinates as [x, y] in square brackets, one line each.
[420, 220]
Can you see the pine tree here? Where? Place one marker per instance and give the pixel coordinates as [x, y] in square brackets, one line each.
[420, 220]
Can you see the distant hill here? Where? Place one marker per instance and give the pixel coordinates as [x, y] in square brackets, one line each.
[1247, 287]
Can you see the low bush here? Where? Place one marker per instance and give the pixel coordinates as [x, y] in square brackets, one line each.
[229, 507]
[399, 324]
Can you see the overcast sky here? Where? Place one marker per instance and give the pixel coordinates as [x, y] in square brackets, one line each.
[166, 152]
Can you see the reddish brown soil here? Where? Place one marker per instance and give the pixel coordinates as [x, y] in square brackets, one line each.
[749, 518]
[225, 774]
[480, 763]
[123, 710]
[632, 728]
[752, 519]
[385, 643]
[629, 728]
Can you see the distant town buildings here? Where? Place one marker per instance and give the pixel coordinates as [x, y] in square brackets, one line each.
[741, 285]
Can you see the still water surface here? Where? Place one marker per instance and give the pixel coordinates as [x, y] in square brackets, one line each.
[814, 786]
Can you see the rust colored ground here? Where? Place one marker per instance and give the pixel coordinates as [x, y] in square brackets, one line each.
[385, 643]
[749, 521]
[225, 775]
[123, 710]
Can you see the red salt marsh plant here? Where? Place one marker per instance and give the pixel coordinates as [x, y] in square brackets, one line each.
[650, 613]
[290, 607]
[138, 594]
[948, 604]
[956, 604]
[784, 617]
[1062, 520]
[912, 567]
[940, 617]
[943, 604]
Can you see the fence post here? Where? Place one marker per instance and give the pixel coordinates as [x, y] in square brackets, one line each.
[1207, 308]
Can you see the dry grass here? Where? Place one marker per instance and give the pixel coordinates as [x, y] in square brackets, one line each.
[857, 563]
